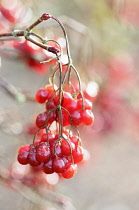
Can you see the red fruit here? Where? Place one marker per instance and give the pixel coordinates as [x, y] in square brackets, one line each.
[76, 140]
[58, 165]
[24, 148]
[67, 161]
[23, 158]
[42, 95]
[77, 154]
[76, 118]
[37, 142]
[51, 90]
[41, 120]
[67, 99]
[87, 104]
[72, 106]
[87, 117]
[55, 149]
[51, 117]
[32, 158]
[43, 152]
[70, 172]
[47, 167]
[66, 147]
[50, 105]
[47, 137]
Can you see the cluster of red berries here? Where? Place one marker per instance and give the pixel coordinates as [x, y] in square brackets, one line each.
[55, 151]
[54, 154]
[74, 112]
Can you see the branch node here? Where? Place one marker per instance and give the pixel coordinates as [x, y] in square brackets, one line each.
[15, 33]
[26, 34]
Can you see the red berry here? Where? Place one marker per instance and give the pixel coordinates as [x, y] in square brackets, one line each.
[47, 167]
[55, 149]
[72, 106]
[24, 148]
[51, 90]
[67, 99]
[43, 152]
[66, 147]
[58, 165]
[42, 95]
[47, 137]
[23, 158]
[50, 104]
[32, 158]
[77, 154]
[76, 118]
[67, 161]
[76, 140]
[40, 120]
[37, 142]
[51, 117]
[87, 117]
[70, 172]
[87, 104]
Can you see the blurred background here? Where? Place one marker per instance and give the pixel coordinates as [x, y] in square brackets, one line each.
[104, 39]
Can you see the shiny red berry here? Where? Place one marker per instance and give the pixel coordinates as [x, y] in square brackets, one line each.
[76, 118]
[42, 95]
[43, 152]
[23, 158]
[47, 167]
[70, 172]
[40, 120]
[87, 117]
[32, 160]
[24, 148]
[58, 165]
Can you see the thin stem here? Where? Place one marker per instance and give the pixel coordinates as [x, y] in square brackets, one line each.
[60, 97]
[66, 37]
[37, 22]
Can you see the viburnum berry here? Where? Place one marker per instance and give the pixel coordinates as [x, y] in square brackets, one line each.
[66, 147]
[50, 104]
[58, 165]
[76, 140]
[51, 89]
[87, 117]
[40, 120]
[56, 149]
[47, 137]
[77, 154]
[47, 167]
[23, 158]
[76, 118]
[43, 152]
[42, 95]
[70, 172]
[24, 148]
[87, 104]
[32, 160]
[72, 106]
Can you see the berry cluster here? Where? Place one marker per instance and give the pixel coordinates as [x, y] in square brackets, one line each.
[59, 150]
[55, 151]
[74, 112]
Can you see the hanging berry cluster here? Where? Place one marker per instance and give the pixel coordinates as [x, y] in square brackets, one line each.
[59, 149]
